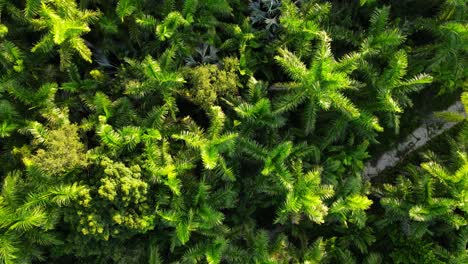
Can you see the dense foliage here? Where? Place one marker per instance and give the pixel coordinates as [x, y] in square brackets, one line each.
[227, 131]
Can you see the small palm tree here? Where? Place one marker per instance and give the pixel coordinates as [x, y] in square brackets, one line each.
[320, 86]
[213, 144]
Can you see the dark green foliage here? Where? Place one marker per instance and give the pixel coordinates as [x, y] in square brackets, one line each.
[215, 131]
[265, 13]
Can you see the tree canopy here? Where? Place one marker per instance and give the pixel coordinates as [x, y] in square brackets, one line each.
[216, 131]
